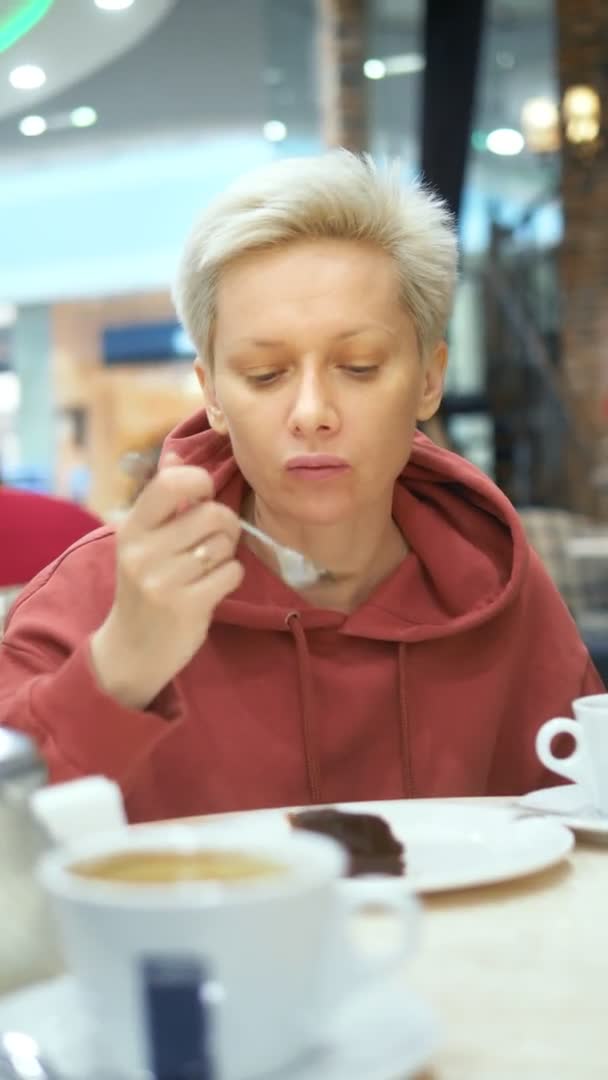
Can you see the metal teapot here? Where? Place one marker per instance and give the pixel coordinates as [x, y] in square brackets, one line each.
[34, 817]
[29, 948]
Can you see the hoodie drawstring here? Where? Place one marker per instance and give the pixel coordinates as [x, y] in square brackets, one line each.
[406, 757]
[294, 624]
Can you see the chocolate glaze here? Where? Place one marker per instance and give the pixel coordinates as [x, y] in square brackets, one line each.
[368, 839]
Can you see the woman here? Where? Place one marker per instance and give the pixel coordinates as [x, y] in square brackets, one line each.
[171, 656]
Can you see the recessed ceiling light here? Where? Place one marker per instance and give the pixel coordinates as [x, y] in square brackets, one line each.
[27, 77]
[83, 116]
[507, 142]
[275, 130]
[374, 69]
[114, 5]
[32, 125]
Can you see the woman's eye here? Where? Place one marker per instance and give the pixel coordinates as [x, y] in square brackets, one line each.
[361, 369]
[264, 379]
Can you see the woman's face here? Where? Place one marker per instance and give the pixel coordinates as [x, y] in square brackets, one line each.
[314, 355]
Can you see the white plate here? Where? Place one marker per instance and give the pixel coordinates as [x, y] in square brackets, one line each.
[448, 845]
[571, 804]
[385, 1032]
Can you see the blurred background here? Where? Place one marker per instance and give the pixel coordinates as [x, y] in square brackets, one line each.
[120, 118]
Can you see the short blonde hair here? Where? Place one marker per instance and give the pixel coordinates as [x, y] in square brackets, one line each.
[337, 195]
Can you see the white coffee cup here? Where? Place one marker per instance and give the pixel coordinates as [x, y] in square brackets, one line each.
[587, 765]
[277, 947]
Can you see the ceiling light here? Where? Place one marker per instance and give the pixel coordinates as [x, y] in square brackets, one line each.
[404, 64]
[27, 77]
[21, 20]
[540, 112]
[84, 116]
[275, 130]
[505, 141]
[114, 5]
[582, 111]
[400, 64]
[540, 125]
[374, 69]
[32, 125]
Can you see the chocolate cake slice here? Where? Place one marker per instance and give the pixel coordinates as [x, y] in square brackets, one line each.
[368, 839]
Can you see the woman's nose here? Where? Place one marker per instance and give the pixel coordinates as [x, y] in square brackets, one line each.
[313, 409]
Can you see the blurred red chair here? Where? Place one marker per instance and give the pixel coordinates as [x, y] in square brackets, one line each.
[34, 530]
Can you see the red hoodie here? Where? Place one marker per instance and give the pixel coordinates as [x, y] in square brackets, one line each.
[435, 686]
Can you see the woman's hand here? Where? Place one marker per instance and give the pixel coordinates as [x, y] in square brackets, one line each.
[175, 563]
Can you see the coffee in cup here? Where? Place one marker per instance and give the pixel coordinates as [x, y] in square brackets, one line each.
[165, 867]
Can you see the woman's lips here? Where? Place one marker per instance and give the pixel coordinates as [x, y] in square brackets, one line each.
[317, 461]
[317, 466]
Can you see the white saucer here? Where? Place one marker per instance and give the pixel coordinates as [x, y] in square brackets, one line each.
[571, 804]
[385, 1031]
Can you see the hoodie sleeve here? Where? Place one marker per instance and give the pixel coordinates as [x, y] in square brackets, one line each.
[47, 686]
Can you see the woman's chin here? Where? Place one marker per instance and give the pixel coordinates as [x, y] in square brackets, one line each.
[322, 513]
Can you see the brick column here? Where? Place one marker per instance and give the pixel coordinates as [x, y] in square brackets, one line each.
[343, 91]
[583, 37]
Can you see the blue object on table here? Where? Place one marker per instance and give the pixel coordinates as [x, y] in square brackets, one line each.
[178, 1019]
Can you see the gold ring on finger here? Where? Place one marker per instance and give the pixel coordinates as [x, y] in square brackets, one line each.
[201, 554]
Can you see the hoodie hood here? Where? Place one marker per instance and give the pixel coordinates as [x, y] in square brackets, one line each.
[468, 552]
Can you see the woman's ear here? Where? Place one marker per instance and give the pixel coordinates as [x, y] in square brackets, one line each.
[432, 385]
[213, 409]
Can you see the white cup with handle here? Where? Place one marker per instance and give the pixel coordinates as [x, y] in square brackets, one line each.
[587, 765]
[275, 944]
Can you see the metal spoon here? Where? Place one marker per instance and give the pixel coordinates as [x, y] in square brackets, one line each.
[297, 571]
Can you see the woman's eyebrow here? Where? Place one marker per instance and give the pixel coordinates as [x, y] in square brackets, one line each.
[268, 343]
[364, 330]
